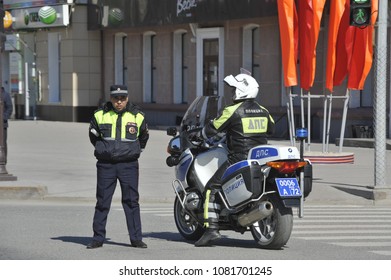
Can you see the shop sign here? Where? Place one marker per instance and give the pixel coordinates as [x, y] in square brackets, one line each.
[41, 17]
[132, 13]
[19, 4]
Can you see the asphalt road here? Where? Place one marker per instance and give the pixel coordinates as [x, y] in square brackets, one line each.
[44, 230]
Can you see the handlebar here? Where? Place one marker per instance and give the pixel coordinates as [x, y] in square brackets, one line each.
[196, 139]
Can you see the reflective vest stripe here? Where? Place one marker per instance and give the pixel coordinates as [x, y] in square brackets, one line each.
[254, 125]
[110, 118]
[227, 113]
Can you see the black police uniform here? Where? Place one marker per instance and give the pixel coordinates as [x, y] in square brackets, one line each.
[246, 124]
[118, 138]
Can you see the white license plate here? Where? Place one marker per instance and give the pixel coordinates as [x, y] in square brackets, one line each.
[288, 187]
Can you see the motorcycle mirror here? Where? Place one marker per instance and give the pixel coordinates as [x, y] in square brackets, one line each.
[172, 131]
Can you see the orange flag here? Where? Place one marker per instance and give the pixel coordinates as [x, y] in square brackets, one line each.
[362, 56]
[369, 49]
[288, 21]
[306, 51]
[310, 14]
[358, 57]
[344, 47]
[318, 6]
[337, 8]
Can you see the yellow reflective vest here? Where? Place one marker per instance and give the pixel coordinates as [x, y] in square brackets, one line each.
[118, 137]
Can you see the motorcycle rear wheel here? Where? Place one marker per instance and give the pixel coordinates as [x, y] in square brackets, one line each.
[187, 226]
[274, 231]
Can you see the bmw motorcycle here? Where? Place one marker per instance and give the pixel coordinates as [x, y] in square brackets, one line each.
[257, 194]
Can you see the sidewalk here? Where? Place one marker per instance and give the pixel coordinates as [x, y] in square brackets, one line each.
[54, 161]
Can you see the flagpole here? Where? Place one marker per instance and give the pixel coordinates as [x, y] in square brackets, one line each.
[302, 107]
[344, 114]
[330, 98]
[309, 121]
[324, 123]
[292, 117]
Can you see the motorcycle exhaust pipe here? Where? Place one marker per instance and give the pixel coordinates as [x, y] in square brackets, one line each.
[262, 211]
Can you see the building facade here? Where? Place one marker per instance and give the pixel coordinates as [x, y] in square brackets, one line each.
[167, 52]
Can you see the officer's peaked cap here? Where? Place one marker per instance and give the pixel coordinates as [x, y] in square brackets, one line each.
[118, 90]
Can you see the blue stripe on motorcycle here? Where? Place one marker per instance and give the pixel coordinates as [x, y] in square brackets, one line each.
[234, 168]
[183, 166]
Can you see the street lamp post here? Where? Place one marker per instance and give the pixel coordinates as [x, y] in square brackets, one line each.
[382, 191]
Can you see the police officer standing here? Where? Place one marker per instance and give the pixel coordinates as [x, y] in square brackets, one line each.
[119, 133]
[246, 124]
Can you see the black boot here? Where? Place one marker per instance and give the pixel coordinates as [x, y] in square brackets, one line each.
[210, 235]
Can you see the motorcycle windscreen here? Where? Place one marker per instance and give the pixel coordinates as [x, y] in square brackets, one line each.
[201, 111]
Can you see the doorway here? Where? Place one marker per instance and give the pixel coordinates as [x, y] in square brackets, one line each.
[211, 66]
[210, 61]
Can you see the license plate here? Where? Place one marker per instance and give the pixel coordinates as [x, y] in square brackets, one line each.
[288, 187]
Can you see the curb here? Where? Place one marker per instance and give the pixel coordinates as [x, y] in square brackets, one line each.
[329, 158]
[361, 143]
[23, 192]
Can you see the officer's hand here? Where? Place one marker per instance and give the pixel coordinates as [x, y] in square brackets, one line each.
[196, 138]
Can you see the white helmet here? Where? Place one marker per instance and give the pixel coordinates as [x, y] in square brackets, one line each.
[246, 86]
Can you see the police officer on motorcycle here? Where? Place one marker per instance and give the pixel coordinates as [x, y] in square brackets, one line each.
[246, 124]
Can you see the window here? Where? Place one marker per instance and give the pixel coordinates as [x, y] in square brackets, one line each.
[207, 65]
[251, 50]
[54, 63]
[180, 51]
[149, 67]
[120, 55]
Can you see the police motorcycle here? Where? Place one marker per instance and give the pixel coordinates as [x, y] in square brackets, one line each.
[257, 194]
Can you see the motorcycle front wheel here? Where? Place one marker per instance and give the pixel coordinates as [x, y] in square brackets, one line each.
[274, 231]
[187, 226]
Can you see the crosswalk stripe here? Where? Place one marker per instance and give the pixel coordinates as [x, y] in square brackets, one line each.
[350, 237]
[348, 216]
[307, 206]
[384, 253]
[345, 210]
[300, 226]
[157, 211]
[164, 215]
[342, 231]
[302, 221]
[362, 244]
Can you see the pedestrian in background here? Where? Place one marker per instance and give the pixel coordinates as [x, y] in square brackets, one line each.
[7, 112]
[119, 133]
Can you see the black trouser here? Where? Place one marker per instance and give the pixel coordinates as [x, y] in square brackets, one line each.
[5, 144]
[127, 173]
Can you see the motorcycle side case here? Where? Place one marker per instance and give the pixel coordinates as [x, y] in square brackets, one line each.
[242, 181]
